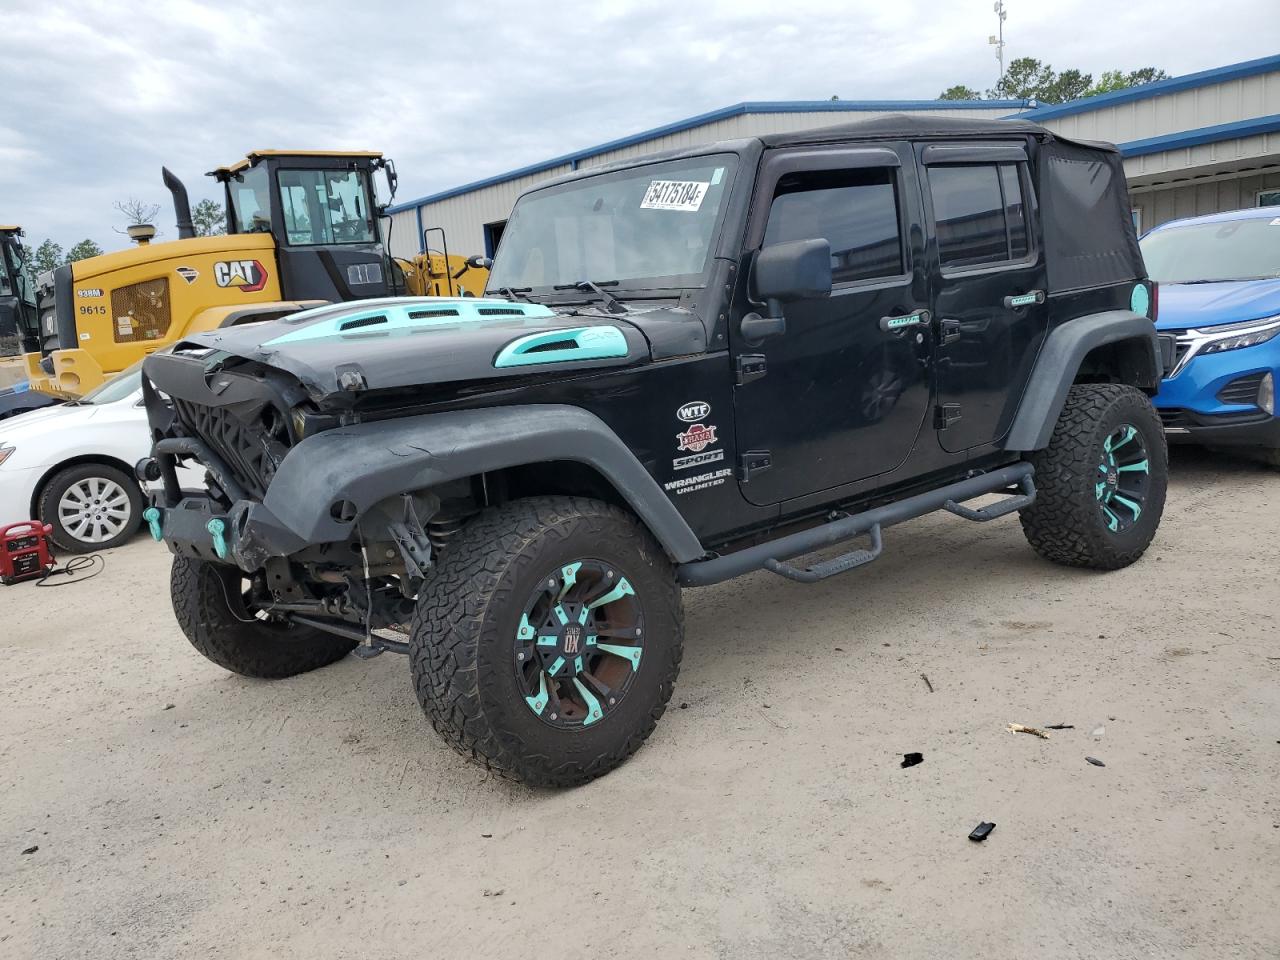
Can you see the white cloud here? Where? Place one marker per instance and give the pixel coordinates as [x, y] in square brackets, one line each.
[105, 93]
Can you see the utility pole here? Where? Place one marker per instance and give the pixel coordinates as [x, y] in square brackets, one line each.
[997, 39]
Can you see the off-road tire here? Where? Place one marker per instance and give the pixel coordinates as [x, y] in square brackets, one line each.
[468, 612]
[57, 485]
[1065, 524]
[203, 594]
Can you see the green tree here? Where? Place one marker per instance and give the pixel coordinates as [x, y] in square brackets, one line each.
[1112, 80]
[959, 92]
[1027, 78]
[209, 219]
[47, 256]
[83, 251]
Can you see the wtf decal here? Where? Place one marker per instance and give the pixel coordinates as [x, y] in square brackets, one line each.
[247, 275]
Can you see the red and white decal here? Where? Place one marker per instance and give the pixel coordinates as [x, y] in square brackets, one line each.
[697, 438]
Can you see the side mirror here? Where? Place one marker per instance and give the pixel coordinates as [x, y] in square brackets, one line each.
[782, 273]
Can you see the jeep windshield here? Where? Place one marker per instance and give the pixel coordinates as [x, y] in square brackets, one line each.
[647, 228]
[1246, 249]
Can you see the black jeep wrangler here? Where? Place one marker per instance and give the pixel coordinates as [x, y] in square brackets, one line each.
[687, 367]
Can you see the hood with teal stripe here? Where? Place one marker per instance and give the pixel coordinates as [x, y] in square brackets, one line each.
[407, 341]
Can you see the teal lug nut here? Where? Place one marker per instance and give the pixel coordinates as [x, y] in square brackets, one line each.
[217, 529]
[152, 516]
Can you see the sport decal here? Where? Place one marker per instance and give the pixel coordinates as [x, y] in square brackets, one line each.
[247, 275]
[701, 482]
[697, 460]
[684, 195]
[697, 438]
[693, 412]
[191, 274]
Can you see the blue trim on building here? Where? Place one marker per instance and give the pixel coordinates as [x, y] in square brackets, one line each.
[1234, 71]
[738, 109]
[1201, 135]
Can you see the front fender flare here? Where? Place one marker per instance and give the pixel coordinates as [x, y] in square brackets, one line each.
[366, 463]
[1059, 362]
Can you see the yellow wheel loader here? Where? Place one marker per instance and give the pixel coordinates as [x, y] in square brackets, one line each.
[303, 229]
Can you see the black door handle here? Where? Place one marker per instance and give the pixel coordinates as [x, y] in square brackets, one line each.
[1014, 301]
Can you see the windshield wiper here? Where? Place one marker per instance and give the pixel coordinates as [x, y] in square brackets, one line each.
[516, 293]
[612, 303]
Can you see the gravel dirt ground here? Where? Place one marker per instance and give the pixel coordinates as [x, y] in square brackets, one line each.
[180, 811]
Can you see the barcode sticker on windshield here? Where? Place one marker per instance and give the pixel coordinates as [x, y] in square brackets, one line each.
[674, 195]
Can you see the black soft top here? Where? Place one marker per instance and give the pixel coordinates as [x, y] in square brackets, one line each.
[908, 127]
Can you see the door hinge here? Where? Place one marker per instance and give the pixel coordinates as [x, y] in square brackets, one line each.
[750, 366]
[945, 415]
[753, 462]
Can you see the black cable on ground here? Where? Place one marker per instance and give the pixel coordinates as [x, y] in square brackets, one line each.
[74, 571]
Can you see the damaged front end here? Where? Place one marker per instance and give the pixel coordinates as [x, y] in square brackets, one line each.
[239, 423]
[329, 500]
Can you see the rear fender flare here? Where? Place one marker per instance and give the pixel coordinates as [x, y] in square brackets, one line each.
[367, 463]
[1059, 363]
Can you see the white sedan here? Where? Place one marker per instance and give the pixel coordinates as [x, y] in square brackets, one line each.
[71, 466]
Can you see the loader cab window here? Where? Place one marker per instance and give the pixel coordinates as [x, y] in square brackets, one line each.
[15, 278]
[249, 197]
[326, 206]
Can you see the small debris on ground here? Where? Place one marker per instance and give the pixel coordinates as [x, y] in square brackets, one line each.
[684, 706]
[493, 893]
[981, 831]
[169, 706]
[487, 836]
[1098, 731]
[925, 678]
[1035, 732]
[1059, 726]
[1095, 761]
[911, 759]
[30, 850]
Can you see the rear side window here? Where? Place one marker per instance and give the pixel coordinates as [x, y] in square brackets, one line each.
[856, 211]
[979, 213]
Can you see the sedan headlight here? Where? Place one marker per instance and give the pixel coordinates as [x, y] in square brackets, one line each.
[1236, 336]
[4, 453]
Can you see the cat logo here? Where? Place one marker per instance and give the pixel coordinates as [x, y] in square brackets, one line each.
[246, 275]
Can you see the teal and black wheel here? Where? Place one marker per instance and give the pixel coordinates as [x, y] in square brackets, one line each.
[1124, 478]
[547, 641]
[1101, 481]
[579, 645]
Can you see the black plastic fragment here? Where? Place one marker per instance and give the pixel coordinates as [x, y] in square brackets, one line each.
[911, 759]
[1095, 761]
[981, 831]
[1059, 726]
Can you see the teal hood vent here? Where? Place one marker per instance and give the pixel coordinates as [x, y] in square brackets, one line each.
[561, 346]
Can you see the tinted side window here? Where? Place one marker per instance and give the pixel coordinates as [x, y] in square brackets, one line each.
[856, 211]
[979, 214]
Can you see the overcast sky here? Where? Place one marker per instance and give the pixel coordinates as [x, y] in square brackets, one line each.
[101, 94]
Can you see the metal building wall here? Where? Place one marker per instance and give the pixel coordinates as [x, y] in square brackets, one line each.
[1193, 199]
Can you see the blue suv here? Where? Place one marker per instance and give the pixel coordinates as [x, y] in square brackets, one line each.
[1219, 326]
